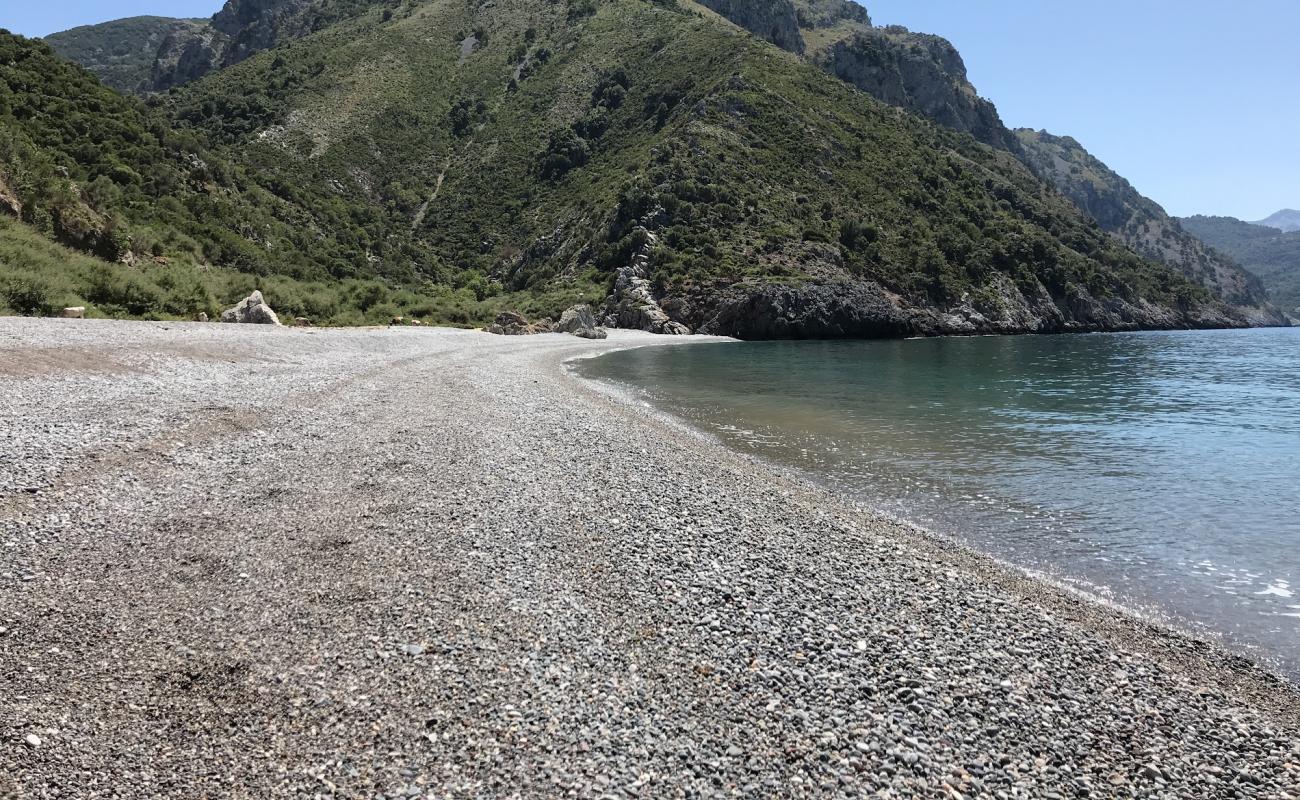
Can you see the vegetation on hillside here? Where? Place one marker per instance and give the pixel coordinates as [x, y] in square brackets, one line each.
[537, 157]
[1272, 255]
[121, 52]
[528, 150]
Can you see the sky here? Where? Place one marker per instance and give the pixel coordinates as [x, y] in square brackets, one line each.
[1194, 101]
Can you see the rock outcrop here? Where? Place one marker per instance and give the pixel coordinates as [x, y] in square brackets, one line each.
[580, 321]
[853, 309]
[251, 310]
[512, 323]
[240, 29]
[633, 303]
[9, 202]
[922, 73]
[777, 21]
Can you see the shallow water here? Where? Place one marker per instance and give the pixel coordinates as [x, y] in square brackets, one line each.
[1160, 470]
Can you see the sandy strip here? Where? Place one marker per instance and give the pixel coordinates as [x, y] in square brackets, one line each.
[241, 562]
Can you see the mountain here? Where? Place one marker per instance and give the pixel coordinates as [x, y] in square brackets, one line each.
[171, 226]
[1286, 220]
[655, 152]
[123, 53]
[1266, 251]
[927, 76]
[141, 55]
[1138, 221]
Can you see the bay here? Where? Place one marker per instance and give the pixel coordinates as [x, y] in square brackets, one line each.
[1156, 470]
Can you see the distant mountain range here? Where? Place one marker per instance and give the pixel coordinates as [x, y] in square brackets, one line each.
[664, 154]
[1271, 252]
[1288, 220]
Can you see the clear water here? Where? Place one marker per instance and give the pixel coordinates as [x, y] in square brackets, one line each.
[1161, 470]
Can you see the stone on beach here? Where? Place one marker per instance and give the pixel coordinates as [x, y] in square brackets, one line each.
[580, 321]
[251, 310]
[512, 323]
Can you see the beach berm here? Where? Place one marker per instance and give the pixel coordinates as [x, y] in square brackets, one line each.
[249, 561]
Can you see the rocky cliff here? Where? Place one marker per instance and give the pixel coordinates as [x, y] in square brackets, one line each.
[1141, 223]
[240, 29]
[776, 21]
[863, 309]
[123, 52]
[922, 73]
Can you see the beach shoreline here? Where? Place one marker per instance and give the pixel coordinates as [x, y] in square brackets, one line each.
[266, 562]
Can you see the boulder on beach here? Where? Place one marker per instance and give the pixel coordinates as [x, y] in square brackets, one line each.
[253, 310]
[580, 321]
[512, 323]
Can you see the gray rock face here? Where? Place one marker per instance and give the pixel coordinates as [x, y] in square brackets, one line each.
[863, 309]
[251, 310]
[633, 303]
[922, 73]
[186, 55]
[827, 13]
[240, 29]
[512, 323]
[777, 21]
[1141, 224]
[580, 321]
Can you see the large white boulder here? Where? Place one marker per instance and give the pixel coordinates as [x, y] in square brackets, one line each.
[252, 309]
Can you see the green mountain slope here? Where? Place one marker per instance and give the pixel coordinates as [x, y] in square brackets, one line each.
[123, 52]
[1138, 221]
[926, 75]
[921, 73]
[1269, 253]
[700, 176]
[106, 176]
[628, 142]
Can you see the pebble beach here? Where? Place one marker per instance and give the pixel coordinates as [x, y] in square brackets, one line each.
[245, 561]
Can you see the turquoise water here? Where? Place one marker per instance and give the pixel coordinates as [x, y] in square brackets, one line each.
[1159, 470]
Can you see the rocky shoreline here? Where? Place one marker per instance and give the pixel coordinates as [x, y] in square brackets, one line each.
[244, 561]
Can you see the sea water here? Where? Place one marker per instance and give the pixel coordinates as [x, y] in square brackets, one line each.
[1157, 470]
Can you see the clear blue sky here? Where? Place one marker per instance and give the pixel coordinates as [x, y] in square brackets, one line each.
[1194, 101]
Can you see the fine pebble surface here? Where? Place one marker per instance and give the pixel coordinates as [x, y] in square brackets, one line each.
[249, 562]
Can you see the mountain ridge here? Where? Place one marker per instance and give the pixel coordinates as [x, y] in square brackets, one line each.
[1270, 253]
[704, 179]
[1287, 220]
